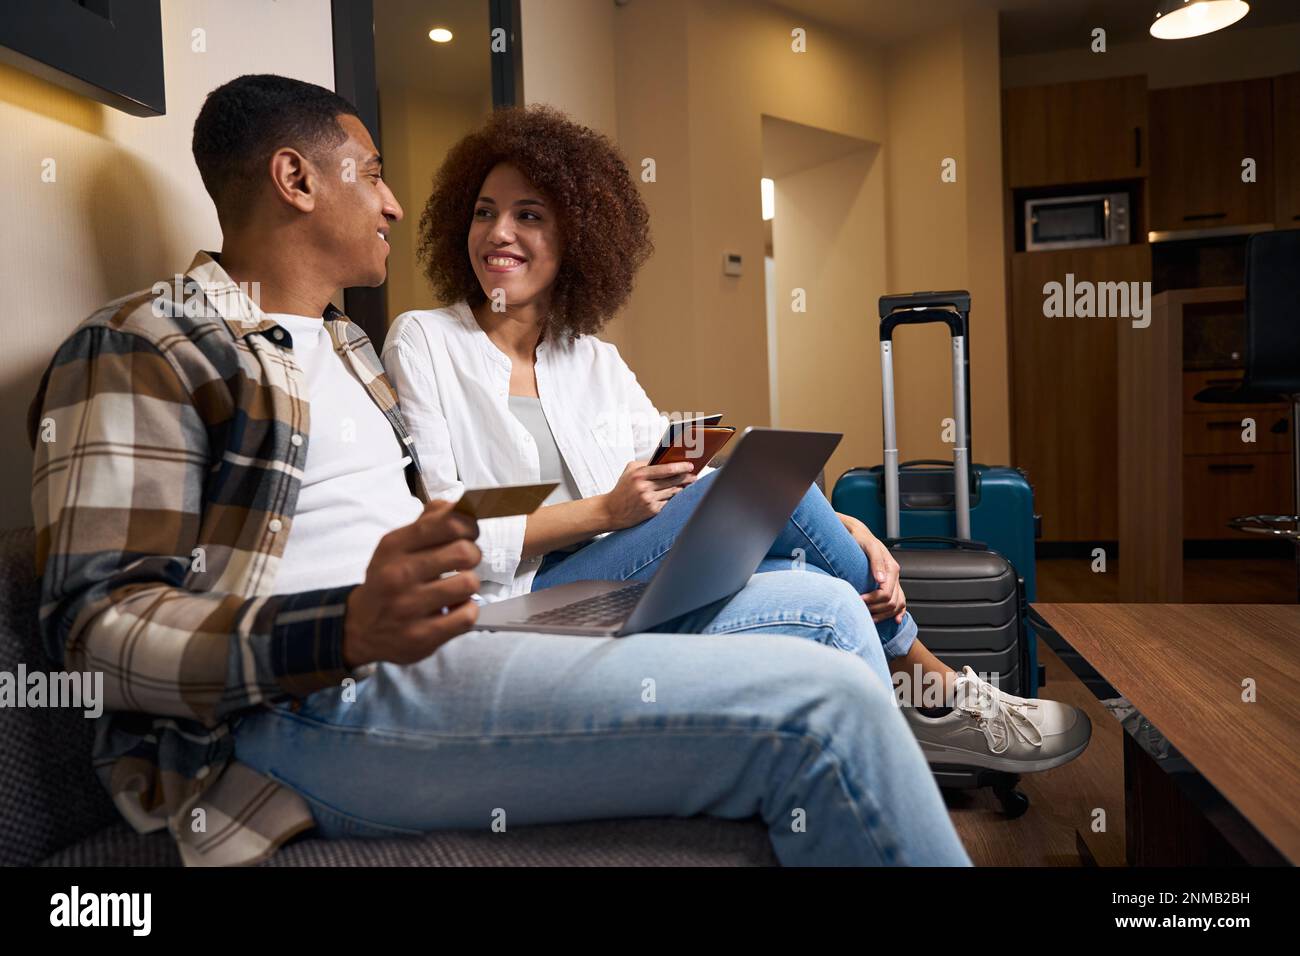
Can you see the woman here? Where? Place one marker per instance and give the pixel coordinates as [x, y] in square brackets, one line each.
[535, 230]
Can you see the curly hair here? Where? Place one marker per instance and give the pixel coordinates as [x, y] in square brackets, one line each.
[603, 223]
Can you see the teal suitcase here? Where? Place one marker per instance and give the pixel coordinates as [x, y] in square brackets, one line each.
[1001, 514]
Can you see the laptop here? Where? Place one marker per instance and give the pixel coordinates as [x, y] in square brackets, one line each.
[717, 551]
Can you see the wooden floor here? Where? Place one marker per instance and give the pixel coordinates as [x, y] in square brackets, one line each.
[1205, 581]
[1062, 802]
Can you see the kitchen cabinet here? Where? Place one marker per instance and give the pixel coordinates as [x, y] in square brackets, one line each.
[1217, 488]
[1286, 150]
[1223, 475]
[1067, 133]
[1200, 136]
[1063, 389]
[1222, 433]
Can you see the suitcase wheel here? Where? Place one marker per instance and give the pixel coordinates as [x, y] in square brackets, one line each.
[1014, 803]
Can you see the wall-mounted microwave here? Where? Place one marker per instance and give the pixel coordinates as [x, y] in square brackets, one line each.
[1075, 222]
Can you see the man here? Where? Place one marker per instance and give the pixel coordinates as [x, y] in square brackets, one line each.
[233, 528]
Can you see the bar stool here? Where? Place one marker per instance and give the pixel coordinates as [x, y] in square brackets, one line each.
[1272, 361]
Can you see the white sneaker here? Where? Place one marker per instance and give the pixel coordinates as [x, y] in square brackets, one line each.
[990, 728]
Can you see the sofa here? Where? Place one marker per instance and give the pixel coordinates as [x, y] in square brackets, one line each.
[53, 811]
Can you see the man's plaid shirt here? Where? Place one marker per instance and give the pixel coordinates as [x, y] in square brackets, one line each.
[170, 439]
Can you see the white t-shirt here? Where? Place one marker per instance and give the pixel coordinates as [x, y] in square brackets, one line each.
[354, 487]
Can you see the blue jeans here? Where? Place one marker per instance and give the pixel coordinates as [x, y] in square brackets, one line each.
[813, 539]
[743, 720]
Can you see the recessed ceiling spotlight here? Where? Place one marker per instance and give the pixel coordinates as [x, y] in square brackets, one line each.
[440, 35]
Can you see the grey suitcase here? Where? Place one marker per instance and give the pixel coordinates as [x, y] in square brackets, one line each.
[967, 600]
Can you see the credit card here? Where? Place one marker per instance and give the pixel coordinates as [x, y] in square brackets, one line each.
[503, 501]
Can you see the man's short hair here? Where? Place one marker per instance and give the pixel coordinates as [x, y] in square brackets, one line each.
[244, 121]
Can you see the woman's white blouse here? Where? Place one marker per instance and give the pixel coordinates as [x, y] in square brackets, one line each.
[453, 385]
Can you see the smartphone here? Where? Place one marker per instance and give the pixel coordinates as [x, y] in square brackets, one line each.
[695, 440]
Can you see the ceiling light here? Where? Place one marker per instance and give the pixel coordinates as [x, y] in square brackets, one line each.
[440, 35]
[1178, 19]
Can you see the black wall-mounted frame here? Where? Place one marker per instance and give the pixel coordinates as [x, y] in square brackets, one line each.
[507, 66]
[353, 24]
[107, 50]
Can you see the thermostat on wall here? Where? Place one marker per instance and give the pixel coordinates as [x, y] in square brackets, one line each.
[731, 263]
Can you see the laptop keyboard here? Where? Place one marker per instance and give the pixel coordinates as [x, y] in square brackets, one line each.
[612, 607]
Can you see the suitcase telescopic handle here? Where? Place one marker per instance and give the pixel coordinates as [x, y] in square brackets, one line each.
[921, 308]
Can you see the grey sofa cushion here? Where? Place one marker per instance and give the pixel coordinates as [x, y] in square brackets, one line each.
[699, 841]
[49, 796]
[54, 811]
[119, 845]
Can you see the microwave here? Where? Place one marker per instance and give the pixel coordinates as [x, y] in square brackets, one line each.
[1075, 222]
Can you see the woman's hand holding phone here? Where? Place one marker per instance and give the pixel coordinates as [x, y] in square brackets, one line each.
[643, 490]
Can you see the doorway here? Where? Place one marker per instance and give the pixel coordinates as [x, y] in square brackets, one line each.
[825, 270]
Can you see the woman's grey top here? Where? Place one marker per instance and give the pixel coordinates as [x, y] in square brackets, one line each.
[529, 412]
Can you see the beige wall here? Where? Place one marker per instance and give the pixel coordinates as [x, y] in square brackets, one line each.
[652, 99]
[1239, 53]
[693, 82]
[944, 103]
[986, 260]
[568, 58]
[127, 204]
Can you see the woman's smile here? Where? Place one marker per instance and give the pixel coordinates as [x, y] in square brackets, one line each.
[503, 261]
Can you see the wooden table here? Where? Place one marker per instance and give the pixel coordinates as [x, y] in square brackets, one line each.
[1230, 789]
